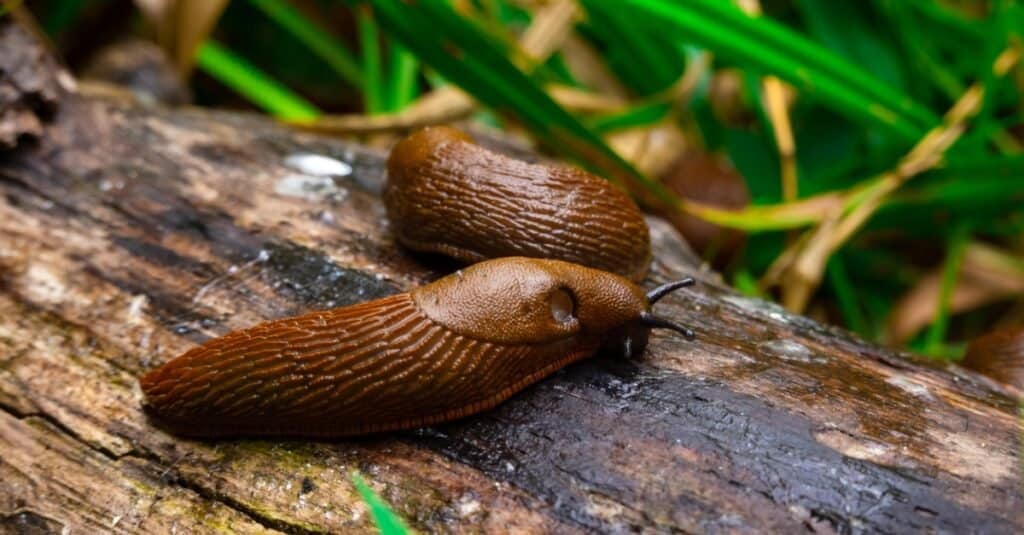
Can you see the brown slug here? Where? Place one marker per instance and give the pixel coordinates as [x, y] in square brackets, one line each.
[708, 178]
[451, 348]
[998, 354]
[444, 194]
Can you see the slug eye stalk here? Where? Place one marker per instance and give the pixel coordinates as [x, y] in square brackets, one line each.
[653, 321]
[656, 294]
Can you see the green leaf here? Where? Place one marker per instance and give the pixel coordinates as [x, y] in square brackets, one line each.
[918, 39]
[828, 150]
[952, 26]
[745, 282]
[984, 190]
[387, 521]
[401, 79]
[767, 46]
[645, 62]
[757, 160]
[950, 273]
[327, 48]
[846, 295]
[369, 43]
[248, 81]
[639, 115]
[983, 182]
[848, 29]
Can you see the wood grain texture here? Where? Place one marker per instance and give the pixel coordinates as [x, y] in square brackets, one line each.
[134, 499]
[444, 194]
[128, 236]
[31, 84]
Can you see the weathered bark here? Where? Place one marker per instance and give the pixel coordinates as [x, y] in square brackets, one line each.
[128, 235]
[29, 86]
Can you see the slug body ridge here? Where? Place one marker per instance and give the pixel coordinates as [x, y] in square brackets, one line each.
[444, 194]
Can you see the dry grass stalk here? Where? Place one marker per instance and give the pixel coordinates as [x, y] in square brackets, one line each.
[776, 95]
[803, 276]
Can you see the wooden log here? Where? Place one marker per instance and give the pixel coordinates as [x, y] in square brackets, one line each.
[128, 235]
[30, 85]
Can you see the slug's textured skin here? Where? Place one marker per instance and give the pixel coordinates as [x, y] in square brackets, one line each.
[449, 349]
[446, 195]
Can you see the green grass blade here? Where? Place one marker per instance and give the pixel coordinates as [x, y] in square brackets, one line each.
[981, 183]
[640, 115]
[369, 43]
[846, 295]
[974, 182]
[642, 60]
[917, 41]
[401, 79]
[768, 46]
[933, 341]
[467, 57]
[387, 521]
[851, 30]
[327, 48]
[745, 282]
[248, 81]
[957, 27]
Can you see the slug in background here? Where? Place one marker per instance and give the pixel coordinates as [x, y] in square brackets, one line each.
[444, 194]
[998, 354]
[451, 348]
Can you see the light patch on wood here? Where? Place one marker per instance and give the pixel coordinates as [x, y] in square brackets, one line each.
[910, 386]
[862, 448]
[317, 164]
[697, 363]
[309, 187]
[467, 506]
[602, 506]
[202, 191]
[136, 308]
[790, 350]
[968, 455]
[44, 284]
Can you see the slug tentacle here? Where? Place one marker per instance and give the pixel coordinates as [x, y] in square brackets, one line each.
[654, 321]
[656, 294]
[446, 195]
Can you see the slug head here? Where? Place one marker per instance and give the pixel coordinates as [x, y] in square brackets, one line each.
[520, 300]
[631, 339]
[415, 150]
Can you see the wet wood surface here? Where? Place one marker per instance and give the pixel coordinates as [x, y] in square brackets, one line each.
[128, 235]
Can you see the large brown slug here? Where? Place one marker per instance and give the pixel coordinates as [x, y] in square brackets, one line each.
[448, 349]
[444, 194]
